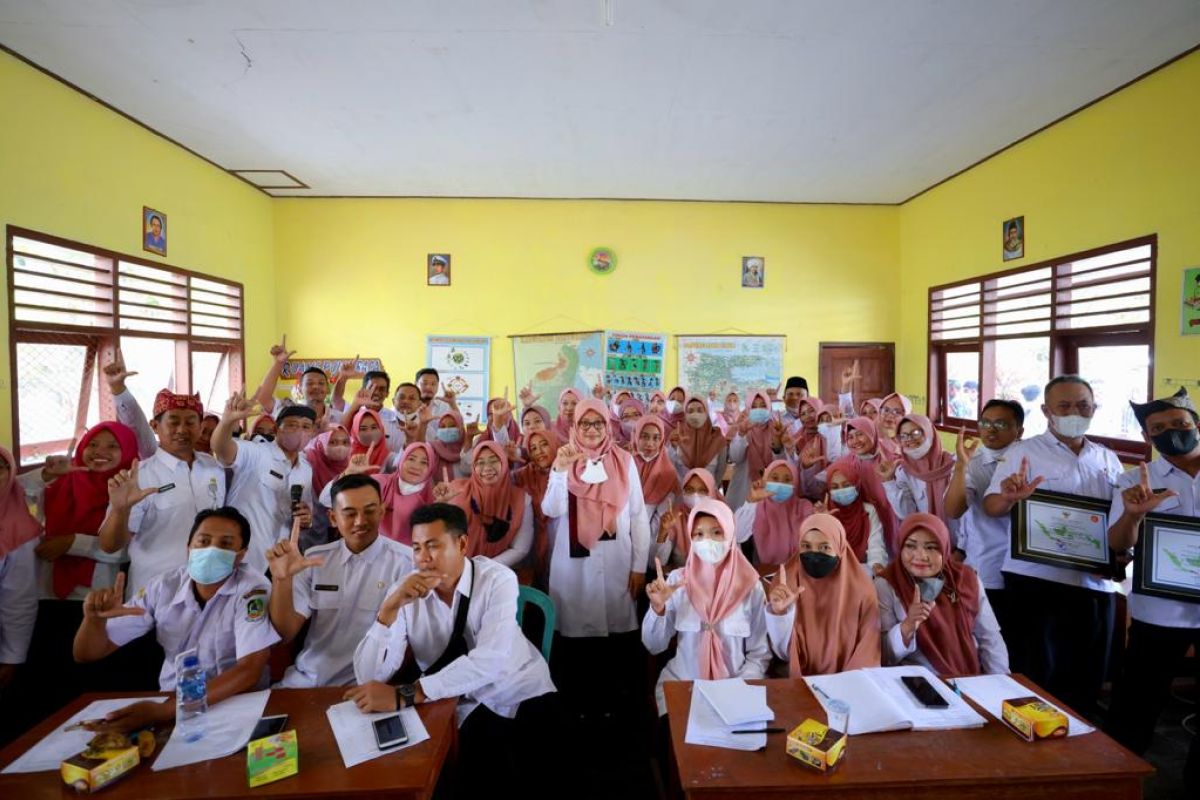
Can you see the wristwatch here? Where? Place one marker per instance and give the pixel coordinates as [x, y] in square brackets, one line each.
[405, 693]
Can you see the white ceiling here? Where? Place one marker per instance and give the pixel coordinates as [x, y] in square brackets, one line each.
[839, 101]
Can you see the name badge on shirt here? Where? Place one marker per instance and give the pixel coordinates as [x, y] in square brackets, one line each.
[275, 474]
[166, 487]
[326, 587]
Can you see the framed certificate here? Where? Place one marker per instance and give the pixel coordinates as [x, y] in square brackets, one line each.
[1063, 530]
[1167, 558]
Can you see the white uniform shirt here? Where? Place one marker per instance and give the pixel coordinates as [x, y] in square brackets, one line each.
[393, 430]
[160, 523]
[18, 602]
[1163, 475]
[985, 539]
[591, 594]
[261, 489]
[501, 669]
[232, 624]
[743, 637]
[1092, 473]
[993, 653]
[341, 597]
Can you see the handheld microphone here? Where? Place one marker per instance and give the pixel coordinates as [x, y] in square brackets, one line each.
[297, 490]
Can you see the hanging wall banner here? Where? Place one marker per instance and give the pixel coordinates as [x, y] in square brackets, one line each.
[729, 363]
[634, 362]
[551, 362]
[1190, 319]
[464, 364]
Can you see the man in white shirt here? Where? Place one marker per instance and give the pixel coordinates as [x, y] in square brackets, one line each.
[1065, 615]
[214, 604]
[458, 615]
[428, 382]
[1162, 629]
[272, 481]
[983, 540]
[338, 586]
[313, 385]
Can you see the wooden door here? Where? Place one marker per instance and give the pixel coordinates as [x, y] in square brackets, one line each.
[876, 366]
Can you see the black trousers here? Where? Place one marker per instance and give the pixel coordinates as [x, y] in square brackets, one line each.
[520, 756]
[1001, 604]
[1064, 637]
[1152, 660]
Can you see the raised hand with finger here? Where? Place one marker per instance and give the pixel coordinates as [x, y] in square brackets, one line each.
[1018, 486]
[1140, 499]
[566, 457]
[886, 468]
[280, 353]
[964, 447]
[109, 603]
[115, 374]
[659, 591]
[285, 559]
[123, 490]
[781, 597]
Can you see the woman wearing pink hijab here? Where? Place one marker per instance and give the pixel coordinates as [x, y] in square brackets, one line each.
[918, 480]
[863, 451]
[499, 515]
[449, 439]
[772, 514]
[672, 541]
[501, 424]
[568, 400]
[658, 407]
[406, 489]
[892, 409]
[534, 476]
[628, 413]
[328, 455]
[19, 533]
[660, 482]
[753, 437]
[696, 442]
[714, 608]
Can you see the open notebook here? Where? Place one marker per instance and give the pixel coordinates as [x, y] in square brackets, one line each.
[721, 707]
[879, 701]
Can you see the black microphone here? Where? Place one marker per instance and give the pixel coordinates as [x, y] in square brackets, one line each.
[297, 490]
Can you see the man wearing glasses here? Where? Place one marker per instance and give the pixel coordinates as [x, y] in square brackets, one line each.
[983, 540]
[1064, 616]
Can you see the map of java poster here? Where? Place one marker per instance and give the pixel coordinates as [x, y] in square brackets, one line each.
[551, 362]
[729, 363]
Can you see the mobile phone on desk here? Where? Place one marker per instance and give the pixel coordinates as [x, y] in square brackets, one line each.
[269, 726]
[925, 693]
[389, 732]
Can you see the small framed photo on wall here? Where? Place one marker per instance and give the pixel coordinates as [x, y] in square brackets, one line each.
[1014, 238]
[154, 231]
[754, 270]
[437, 269]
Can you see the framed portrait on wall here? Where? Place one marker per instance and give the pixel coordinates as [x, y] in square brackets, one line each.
[437, 269]
[1013, 246]
[154, 231]
[754, 272]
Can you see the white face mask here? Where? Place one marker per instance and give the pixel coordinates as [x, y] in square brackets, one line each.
[410, 488]
[710, 551]
[696, 419]
[593, 472]
[1073, 426]
[920, 451]
[672, 406]
[690, 500]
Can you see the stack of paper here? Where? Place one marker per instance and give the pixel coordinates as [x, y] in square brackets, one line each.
[721, 707]
[355, 731]
[990, 691]
[879, 701]
[227, 727]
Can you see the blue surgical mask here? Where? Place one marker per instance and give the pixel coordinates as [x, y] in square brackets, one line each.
[449, 435]
[759, 415]
[844, 496]
[780, 492]
[208, 565]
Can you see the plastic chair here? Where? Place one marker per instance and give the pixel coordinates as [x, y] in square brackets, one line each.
[527, 595]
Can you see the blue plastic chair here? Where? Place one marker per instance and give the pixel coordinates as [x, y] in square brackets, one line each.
[527, 595]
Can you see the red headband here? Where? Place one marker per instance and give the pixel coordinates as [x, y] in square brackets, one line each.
[166, 400]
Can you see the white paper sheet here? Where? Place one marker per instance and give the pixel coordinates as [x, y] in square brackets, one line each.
[879, 701]
[48, 754]
[705, 727]
[355, 732]
[737, 702]
[228, 726]
[990, 691]
[871, 710]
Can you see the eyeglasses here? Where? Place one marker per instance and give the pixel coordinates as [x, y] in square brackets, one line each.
[994, 424]
[598, 425]
[911, 436]
[891, 412]
[1084, 407]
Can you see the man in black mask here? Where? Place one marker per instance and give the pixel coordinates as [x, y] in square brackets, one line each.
[1162, 629]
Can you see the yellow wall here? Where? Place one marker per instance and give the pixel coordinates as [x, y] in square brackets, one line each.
[1125, 167]
[72, 168]
[352, 273]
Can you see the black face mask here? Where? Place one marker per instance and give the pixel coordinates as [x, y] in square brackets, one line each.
[497, 528]
[1176, 442]
[818, 565]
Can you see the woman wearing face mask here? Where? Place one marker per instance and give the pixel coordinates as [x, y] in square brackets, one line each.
[918, 481]
[568, 401]
[629, 412]
[673, 543]
[541, 447]
[658, 406]
[753, 439]
[714, 608]
[696, 443]
[933, 610]
[863, 456]
[501, 426]
[772, 514]
[674, 407]
[366, 434]
[892, 409]
[329, 455]
[448, 438]
[261, 429]
[870, 408]
[600, 540]
[864, 531]
[728, 416]
[660, 482]
[833, 623]
[499, 516]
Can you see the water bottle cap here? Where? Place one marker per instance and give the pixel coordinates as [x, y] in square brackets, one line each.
[191, 660]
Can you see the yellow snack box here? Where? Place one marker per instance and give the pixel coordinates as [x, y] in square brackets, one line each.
[816, 745]
[272, 758]
[1032, 718]
[94, 769]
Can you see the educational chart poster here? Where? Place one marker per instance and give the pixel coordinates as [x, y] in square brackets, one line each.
[551, 362]
[634, 362]
[1190, 320]
[464, 363]
[729, 363]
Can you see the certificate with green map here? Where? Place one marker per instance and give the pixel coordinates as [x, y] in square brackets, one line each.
[1062, 530]
[1167, 558]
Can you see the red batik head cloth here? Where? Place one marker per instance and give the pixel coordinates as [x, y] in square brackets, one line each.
[166, 400]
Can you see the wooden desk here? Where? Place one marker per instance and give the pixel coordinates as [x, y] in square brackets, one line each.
[408, 773]
[976, 762]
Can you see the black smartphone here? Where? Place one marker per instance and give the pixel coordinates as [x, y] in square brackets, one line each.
[389, 732]
[921, 689]
[269, 726]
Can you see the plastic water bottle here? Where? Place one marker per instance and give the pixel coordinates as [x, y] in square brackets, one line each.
[191, 696]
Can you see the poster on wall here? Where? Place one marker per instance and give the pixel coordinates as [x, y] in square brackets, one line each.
[464, 364]
[729, 363]
[1190, 319]
[634, 362]
[551, 362]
